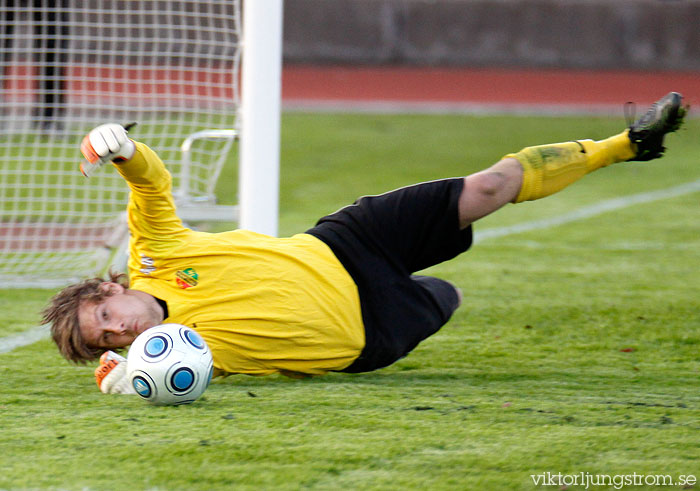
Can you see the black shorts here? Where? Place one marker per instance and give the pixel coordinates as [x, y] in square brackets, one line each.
[381, 241]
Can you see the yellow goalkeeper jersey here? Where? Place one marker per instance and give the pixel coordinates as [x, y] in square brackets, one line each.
[263, 304]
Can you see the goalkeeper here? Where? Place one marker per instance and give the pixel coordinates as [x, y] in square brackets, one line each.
[343, 296]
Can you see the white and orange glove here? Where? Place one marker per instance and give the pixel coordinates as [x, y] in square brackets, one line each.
[111, 374]
[106, 143]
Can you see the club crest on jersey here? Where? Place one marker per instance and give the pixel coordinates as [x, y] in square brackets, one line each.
[186, 278]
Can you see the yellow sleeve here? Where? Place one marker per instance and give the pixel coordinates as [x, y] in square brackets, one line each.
[151, 210]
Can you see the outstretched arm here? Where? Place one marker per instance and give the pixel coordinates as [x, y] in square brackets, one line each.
[151, 210]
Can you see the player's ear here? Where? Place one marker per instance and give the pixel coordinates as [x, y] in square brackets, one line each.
[111, 288]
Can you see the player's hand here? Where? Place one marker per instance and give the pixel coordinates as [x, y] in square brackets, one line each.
[111, 374]
[106, 143]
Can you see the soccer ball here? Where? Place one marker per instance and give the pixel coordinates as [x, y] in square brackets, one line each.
[169, 364]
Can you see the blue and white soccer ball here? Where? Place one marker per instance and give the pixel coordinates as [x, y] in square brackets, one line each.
[169, 364]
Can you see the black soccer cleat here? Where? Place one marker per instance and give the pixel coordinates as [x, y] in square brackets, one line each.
[648, 132]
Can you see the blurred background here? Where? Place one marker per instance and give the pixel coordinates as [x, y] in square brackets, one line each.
[588, 34]
[508, 52]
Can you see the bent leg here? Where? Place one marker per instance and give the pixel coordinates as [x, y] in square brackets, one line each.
[536, 172]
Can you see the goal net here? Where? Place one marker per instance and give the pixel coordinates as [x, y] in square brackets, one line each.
[69, 65]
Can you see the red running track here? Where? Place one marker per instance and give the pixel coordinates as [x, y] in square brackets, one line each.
[567, 90]
[388, 88]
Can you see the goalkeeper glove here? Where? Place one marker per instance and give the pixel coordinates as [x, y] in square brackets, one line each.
[111, 374]
[106, 143]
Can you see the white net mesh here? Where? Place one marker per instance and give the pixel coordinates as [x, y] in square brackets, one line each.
[171, 66]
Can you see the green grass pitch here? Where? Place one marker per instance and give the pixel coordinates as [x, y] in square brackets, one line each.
[577, 348]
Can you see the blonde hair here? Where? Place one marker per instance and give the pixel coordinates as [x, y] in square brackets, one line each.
[62, 314]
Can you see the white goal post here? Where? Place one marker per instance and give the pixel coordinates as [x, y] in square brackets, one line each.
[194, 74]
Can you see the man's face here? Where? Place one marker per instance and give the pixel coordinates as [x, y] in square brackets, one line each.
[118, 318]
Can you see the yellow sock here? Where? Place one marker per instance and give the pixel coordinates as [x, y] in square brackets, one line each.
[548, 169]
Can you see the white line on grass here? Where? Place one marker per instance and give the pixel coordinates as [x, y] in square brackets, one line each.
[589, 211]
[24, 338]
[35, 334]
